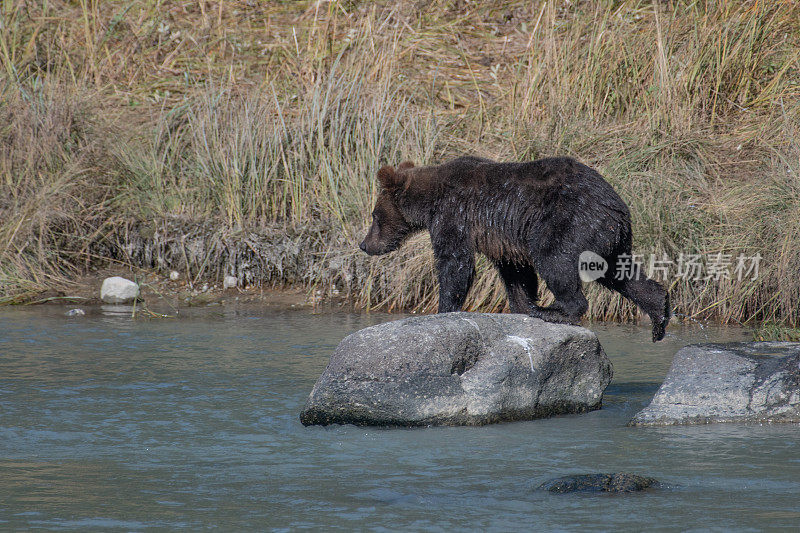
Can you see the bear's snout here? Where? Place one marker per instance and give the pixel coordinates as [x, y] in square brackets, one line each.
[371, 247]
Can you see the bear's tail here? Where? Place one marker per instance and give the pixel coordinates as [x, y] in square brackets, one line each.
[649, 295]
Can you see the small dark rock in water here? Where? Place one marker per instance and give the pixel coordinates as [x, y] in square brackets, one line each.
[459, 369]
[735, 382]
[618, 482]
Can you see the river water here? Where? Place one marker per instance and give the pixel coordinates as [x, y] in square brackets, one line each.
[109, 423]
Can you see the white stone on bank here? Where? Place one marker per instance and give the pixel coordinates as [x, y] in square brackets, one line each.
[117, 290]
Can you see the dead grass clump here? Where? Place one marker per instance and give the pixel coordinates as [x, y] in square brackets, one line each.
[48, 196]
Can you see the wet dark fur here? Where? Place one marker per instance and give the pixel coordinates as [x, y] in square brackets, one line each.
[527, 218]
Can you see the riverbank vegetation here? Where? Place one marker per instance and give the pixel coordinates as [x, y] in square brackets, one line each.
[127, 126]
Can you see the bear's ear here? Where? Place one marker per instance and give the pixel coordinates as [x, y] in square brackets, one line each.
[389, 179]
[404, 165]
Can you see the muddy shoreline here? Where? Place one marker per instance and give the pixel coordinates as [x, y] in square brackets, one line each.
[160, 295]
[179, 263]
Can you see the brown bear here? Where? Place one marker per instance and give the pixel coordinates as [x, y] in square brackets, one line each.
[527, 218]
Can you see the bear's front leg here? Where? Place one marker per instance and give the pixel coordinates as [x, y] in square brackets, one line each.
[455, 263]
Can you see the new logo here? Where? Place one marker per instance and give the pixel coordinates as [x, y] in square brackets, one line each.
[591, 266]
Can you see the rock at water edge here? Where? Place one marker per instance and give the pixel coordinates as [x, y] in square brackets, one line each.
[117, 290]
[735, 382]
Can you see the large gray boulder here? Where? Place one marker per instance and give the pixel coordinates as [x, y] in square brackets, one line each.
[736, 382]
[459, 369]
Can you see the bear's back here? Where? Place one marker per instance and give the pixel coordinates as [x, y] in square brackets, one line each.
[512, 189]
[478, 172]
[510, 207]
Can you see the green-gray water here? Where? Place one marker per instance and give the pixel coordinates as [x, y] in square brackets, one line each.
[110, 423]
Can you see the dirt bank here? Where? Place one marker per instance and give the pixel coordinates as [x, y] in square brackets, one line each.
[180, 263]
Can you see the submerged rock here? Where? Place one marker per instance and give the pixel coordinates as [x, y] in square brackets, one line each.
[117, 290]
[75, 312]
[617, 482]
[736, 382]
[459, 369]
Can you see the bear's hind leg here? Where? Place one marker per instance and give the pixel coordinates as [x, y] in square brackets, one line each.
[649, 295]
[562, 279]
[521, 285]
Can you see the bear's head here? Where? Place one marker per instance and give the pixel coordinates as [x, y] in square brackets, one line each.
[389, 227]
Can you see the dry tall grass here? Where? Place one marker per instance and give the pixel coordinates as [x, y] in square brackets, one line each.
[280, 113]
